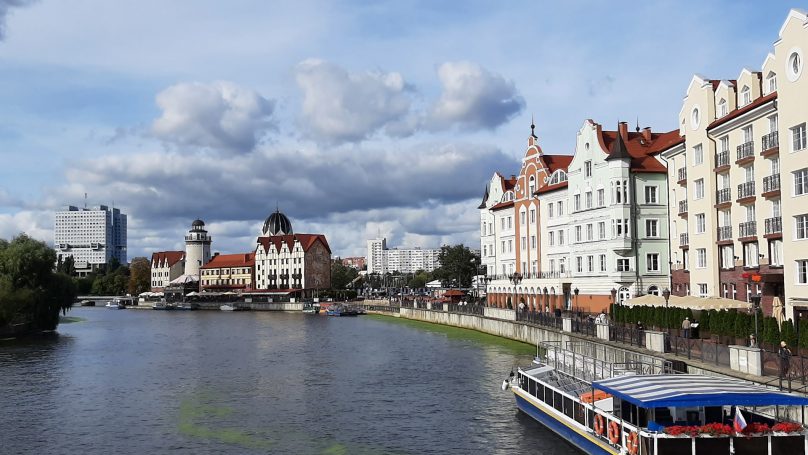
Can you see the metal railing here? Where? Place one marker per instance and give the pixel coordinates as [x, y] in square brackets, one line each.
[682, 174]
[746, 150]
[540, 318]
[684, 239]
[746, 189]
[771, 141]
[723, 195]
[537, 275]
[466, 309]
[771, 183]
[683, 206]
[722, 158]
[747, 229]
[774, 225]
[725, 233]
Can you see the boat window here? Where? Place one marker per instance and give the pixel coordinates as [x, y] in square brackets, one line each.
[531, 387]
[548, 396]
[569, 410]
[580, 413]
[558, 403]
[540, 392]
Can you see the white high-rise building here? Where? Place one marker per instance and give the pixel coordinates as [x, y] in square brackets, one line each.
[401, 260]
[93, 237]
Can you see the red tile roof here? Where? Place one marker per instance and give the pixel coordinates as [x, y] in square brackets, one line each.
[738, 112]
[171, 257]
[502, 205]
[641, 151]
[556, 162]
[551, 188]
[306, 241]
[231, 260]
[507, 184]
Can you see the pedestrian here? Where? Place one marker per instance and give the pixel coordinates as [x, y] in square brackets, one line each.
[752, 341]
[521, 307]
[785, 359]
[640, 332]
[686, 328]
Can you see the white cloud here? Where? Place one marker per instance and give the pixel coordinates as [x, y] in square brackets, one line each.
[474, 97]
[37, 224]
[219, 115]
[340, 106]
[5, 6]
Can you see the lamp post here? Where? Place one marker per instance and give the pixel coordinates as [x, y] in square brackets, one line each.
[755, 307]
[515, 278]
[546, 300]
[667, 295]
[576, 291]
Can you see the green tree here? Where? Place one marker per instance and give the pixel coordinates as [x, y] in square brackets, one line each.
[771, 331]
[787, 333]
[704, 321]
[341, 275]
[458, 265]
[139, 276]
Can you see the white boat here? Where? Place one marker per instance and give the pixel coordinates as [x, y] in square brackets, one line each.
[639, 408]
[227, 307]
[115, 305]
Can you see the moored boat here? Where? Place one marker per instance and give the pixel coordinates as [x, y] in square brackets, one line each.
[164, 306]
[340, 310]
[311, 308]
[645, 409]
[87, 303]
[227, 307]
[115, 305]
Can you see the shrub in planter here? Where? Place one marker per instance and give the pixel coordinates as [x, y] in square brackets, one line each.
[756, 427]
[787, 427]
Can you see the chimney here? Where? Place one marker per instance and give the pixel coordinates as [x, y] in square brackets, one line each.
[622, 128]
[513, 176]
[646, 134]
[215, 254]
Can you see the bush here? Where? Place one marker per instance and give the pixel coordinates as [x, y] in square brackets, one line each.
[704, 320]
[803, 333]
[771, 332]
[787, 333]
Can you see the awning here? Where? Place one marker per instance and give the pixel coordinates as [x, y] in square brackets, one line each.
[654, 391]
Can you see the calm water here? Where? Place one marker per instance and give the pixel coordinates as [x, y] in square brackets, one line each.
[148, 382]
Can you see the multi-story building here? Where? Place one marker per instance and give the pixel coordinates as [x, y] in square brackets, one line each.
[739, 205]
[166, 266]
[494, 195]
[93, 237]
[400, 260]
[228, 272]
[291, 262]
[593, 228]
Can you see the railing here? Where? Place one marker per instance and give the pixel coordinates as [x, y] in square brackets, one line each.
[466, 309]
[771, 141]
[722, 159]
[771, 183]
[539, 318]
[746, 150]
[684, 239]
[628, 335]
[682, 174]
[683, 206]
[724, 233]
[537, 275]
[746, 189]
[747, 229]
[774, 225]
[723, 195]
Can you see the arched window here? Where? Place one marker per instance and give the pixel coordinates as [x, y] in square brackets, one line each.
[557, 177]
[623, 295]
[746, 96]
[771, 82]
[653, 290]
[531, 186]
[722, 108]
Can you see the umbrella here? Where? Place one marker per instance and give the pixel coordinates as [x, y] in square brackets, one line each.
[777, 310]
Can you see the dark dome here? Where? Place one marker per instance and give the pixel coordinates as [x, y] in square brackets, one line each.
[198, 223]
[277, 224]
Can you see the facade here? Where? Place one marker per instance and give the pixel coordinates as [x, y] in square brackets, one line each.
[166, 266]
[197, 248]
[402, 260]
[291, 262]
[739, 206]
[495, 192]
[93, 237]
[357, 262]
[228, 272]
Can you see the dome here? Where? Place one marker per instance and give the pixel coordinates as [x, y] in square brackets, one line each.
[277, 224]
[198, 223]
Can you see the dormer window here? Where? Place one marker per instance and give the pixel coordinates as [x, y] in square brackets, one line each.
[771, 83]
[746, 96]
[722, 108]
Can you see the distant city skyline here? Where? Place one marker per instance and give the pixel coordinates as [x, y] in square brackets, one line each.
[330, 109]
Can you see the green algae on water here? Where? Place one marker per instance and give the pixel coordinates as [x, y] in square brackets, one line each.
[70, 319]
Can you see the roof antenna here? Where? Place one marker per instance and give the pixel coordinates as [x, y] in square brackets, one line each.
[638, 125]
[85, 201]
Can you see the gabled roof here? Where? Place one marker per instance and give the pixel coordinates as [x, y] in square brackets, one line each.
[167, 257]
[556, 162]
[231, 260]
[306, 241]
[738, 112]
[640, 150]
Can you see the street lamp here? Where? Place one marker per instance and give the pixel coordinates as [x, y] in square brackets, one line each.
[667, 295]
[576, 291]
[515, 278]
[755, 307]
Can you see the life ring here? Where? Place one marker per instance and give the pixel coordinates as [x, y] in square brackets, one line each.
[614, 432]
[633, 443]
[599, 425]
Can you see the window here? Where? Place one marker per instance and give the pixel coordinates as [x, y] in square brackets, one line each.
[618, 196]
[579, 261]
[510, 245]
[531, 187]
[587, 169]
[550, 210]
[623, 265]
[652, 228]
[701, 258]
[800, 182]
[562, 265]
[722, 108]
[698, 155]
[652, 262]
[552, 265]
[533, 216]
[589, 199]
[522, 218]
[482, 229]
[771, 83]
[503, 223]
[794, 67]
[802, 271]
[601, 197]
[577, 233]
[701, 223]
[533, 242]
[589, 235]
[750, 254]
[523, 243]
[602, 230]
[775, 253]
[702, 289]
[801, 227]
[561, 237]
[727, 257]
[590, 263]
[560, 208]
[747, 134]
[798, 137]
[620, 228]
[698, 189]
[746, 96]
[577, 202]
[510, 222]
[651, 195]
[724, 145]
[773, 123]
[602, 262]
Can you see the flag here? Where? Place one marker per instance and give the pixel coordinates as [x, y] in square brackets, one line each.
[739, 423]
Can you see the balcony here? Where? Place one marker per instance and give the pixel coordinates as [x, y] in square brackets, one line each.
[748, 229]
[774, 225]
[745, 151]
[722, 159]
[684, 240]
[724, 233]
[746, 190]
[682, 176]
[723, 196]
[621, 243]
[771, 185]
[683, 207]
[771, 143]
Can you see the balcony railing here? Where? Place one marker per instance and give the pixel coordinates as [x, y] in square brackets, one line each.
[774, 225]
[746, 150]
[683, 206]
[725, 233]
[682, 174]
[771, 183]
[723, 195]
[684, 239]
[722, 159]
[746, 189]
[748, 229]
[771, 141]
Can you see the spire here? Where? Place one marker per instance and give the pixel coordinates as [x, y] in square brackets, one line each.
[533, 127]
[637, 129]
[618, 149]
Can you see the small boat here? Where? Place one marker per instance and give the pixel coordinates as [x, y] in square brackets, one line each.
[87, 303]
[339, 310]
[188, 306]
[164, 306]
[115, 306]
[311, 308]
[228, 307]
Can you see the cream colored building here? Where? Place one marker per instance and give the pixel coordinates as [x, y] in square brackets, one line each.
[228, 272]
[166, 266]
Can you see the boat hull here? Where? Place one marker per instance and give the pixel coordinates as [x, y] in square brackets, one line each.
[586, 443]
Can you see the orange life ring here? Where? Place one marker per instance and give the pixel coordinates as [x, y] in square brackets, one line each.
[614, 432]
[599, 424]
[633, 443]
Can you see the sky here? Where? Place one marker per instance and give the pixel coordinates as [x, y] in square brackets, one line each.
[356, 119]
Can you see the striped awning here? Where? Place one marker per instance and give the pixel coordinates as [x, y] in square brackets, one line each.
[654, 391]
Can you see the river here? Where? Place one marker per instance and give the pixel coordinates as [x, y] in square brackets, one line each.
[152, 382]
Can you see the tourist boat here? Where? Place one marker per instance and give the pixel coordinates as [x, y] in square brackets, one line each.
[645, 409]
[311, 308]
[188, 306]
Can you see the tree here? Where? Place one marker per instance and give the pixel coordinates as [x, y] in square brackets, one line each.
[458, 265]
[139, 276]
[342, 276]
[787, 333]
[66, 265]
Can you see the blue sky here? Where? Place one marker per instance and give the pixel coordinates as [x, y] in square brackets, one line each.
[357, 118]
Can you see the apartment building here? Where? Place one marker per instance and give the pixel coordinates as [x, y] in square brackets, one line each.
[166, 266]
[401, 260]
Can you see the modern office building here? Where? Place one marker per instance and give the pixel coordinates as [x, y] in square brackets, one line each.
[92, 237]
[400, 260]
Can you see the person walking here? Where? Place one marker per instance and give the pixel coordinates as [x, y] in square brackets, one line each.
[785, 359]
[686, 328]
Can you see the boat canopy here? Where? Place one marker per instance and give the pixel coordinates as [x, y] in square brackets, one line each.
[655, 391]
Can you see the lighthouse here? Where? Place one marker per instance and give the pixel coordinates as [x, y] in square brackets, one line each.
[197, 248]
